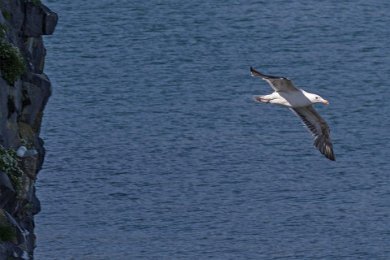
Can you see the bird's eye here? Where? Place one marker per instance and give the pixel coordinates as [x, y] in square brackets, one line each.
[316, 97]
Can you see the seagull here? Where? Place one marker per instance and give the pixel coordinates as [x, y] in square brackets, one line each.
[300, 102]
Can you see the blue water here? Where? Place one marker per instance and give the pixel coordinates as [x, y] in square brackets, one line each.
[155, 148]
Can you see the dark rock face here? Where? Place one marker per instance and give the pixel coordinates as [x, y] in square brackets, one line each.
[7, 191]
[39, 21]
[37, 89]
[22, 24]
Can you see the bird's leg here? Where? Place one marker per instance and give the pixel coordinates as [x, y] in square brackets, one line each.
[262, 99]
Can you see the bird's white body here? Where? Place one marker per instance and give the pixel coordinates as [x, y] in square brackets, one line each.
[299, 98]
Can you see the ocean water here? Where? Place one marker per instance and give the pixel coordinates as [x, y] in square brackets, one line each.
[156, 150]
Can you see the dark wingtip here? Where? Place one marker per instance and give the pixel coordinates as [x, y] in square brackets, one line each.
[329, 152]
[255, 72]
[330, 155]
[264, 76]
[323, 144]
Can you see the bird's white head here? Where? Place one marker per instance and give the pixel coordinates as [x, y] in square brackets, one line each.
[317, 99]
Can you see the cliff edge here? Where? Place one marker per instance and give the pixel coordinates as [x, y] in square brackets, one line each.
[24, 92]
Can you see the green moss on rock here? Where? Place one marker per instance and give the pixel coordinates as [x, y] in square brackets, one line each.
[9, 164]
[26, 134]
[7, 231]
[12, 64]
[36, 2]
[7, 15]
[3, 31]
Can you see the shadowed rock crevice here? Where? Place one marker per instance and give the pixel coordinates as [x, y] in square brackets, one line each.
[24, 92]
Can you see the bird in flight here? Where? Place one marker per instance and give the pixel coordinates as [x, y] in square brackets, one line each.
[300, 102]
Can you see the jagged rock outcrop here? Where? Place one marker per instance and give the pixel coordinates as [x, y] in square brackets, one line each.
[24, 92]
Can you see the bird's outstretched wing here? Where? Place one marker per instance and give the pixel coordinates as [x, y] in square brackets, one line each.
[279, 84]
[319, 128]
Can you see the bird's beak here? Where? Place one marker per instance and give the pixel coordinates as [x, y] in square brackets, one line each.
[325, 102]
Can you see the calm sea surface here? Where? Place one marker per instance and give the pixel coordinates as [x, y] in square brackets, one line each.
[155, 148]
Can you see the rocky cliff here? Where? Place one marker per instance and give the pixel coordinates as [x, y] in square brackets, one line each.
[24, 92]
